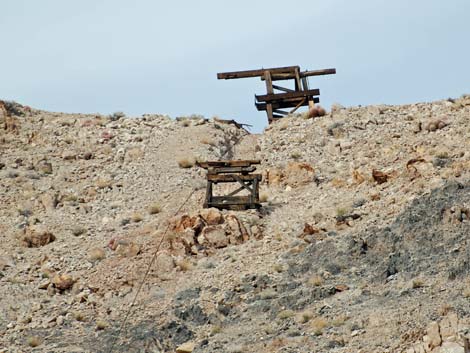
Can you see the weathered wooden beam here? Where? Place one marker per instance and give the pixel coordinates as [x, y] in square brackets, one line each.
[280, 112]
[222, 170]
[274, 97]
[208, 199]
[303, 102]
[242, 183]
[237, 190]
[231, 178]
[228, 163]
[288, 76]
[231, 199]
[284, 89]
[318, 72]
[286, 103]
[254, 73]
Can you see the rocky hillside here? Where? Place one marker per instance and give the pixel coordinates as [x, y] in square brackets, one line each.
[362, 243]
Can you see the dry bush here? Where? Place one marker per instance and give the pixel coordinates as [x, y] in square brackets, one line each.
[136, 217]
[34, 341]
[103, 183]
[295, 155]
[341, 211]
[184, 264]
[316, 281]
[318, 325]
[207, 141]
[186, 162]
[154, 209]
[417, 283]
[101, 324]
[263, 196]
[285, 314]
[305, 317]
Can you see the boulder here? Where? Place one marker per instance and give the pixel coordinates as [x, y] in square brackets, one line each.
[35, 237]
[187, 347]
[215, 236]
[63, 282]
[212, 216]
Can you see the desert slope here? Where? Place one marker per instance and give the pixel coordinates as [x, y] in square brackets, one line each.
[362, 243]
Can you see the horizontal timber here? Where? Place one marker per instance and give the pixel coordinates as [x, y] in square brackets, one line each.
[221, 170]
[256, 73]
[286, 104]
[288, 76]
[281, 96]
[229, 163]
[230, 178]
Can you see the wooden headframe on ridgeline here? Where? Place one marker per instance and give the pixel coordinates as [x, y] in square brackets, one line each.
[273, 102]
[233, 171]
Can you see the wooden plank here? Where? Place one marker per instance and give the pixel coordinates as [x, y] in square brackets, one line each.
[297, 80]
[233, 193]
[242, 183]
[290, 76]
[254, 73]
[281, 96]
[285, 104]
[236, 200]
[270, 90]
[280, 112]
[231, 178]
[208, 199]
[235, 207]
[305, 83]
[222, 170]
[318, 72]
[284, 89]
[228, 163]
[255, 194]
[302, 103]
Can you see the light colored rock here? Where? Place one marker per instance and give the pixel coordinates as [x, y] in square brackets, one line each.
[434, 335]
[63, 282]
[187, 347]
[36, 236]
[212, 216]
[215, 236]
[164, 265]
[126, 248]
[48, 201]
[449, 327]
[451, 347]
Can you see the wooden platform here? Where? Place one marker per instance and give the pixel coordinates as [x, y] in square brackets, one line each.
[273, 102]
[232, 171]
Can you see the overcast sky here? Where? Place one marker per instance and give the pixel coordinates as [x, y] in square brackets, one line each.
[151, 56]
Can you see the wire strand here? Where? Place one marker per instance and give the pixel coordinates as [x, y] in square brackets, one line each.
[130, 311]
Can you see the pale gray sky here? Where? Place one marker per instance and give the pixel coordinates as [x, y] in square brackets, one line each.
[150, 56]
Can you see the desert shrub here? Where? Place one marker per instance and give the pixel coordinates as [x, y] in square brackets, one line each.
[186, 163]
[154, 209]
